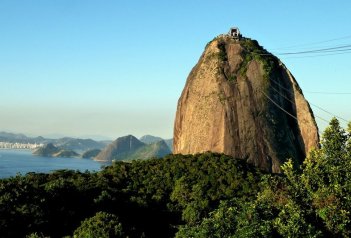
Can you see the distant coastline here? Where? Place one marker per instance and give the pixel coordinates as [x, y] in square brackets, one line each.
[19, 146]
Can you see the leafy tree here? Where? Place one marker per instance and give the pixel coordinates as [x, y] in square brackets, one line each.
[102, 225]
[327, 178]
[35, 235]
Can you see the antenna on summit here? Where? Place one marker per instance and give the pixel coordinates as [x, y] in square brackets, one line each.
[234, 32]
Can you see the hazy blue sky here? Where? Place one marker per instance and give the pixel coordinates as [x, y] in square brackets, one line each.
[111, 68]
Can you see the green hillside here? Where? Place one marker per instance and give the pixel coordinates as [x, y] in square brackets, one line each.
[80, 145]
[130, 148]
[157, 150]
[149, 139]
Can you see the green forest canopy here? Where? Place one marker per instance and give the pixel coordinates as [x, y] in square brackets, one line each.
[203, 195]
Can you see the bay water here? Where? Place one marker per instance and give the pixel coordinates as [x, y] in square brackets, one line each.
[13, 162]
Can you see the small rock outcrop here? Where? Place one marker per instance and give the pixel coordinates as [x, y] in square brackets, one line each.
[47, 150]
[240, 100]
[50, 150]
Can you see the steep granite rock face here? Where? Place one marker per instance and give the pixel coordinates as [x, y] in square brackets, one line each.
[242, 101]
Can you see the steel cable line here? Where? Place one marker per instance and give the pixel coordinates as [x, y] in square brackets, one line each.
[316, 55]
[328, 112]
[322, 119]
[329, 50]
[313, 43]
[331, 93]
[309, 102]
[341, 49]
[295, 104]
[278, 105]
[315, 47]
[322, 50]
[336, 93]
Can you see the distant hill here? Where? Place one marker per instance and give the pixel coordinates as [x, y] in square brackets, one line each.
[157, 149]
[119, 149]
[91, 154]
[20, 138]
[130, 148]
[149, 139]
[50, 150]
[12, 136]
[169, 142]
[81, 145]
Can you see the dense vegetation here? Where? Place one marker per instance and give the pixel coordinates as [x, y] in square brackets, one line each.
[205, 195]
[150, 198]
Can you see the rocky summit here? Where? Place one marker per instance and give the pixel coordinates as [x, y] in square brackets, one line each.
[241, 100]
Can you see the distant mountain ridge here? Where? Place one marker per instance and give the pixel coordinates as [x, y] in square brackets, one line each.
[67, 143]
[149, 139]
[123, 148]
[157, 149]
[20, 138]
[79, 144]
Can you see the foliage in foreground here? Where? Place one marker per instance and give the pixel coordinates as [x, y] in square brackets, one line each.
[314, 201]
[150, 198]
[102, 225]
[205, 195]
